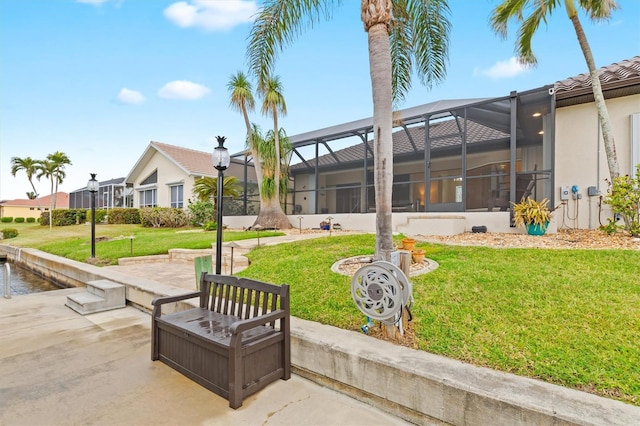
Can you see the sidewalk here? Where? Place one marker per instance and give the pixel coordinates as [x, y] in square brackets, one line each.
[61, 368]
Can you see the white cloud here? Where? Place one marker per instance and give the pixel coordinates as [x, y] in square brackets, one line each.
[211, 15]
[181, 89]
[503, 69]
[127, 96]
[93, 2]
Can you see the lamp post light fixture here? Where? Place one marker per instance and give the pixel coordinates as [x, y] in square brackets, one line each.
[258, 227]
[300, 221]
[221, 161]
[93, 186]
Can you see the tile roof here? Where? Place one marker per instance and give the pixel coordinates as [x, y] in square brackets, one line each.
[192, 161]
[626, 72]
[62, 201]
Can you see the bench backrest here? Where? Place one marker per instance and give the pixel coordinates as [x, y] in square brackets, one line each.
[241, 297]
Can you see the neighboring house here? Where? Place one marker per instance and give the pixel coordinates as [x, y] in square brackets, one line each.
[481, 153]
[29, 208]
[164, 176]
[112, 193]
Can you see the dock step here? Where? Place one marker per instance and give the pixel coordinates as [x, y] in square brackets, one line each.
[101, 295]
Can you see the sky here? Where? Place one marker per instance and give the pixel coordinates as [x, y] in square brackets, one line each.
[100, 79]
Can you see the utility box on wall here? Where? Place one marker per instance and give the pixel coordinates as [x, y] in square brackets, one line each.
[564, 193]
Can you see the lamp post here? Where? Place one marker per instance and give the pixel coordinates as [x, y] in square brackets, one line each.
[221, 161]
[93, 186]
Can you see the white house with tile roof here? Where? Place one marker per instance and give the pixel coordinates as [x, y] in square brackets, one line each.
[165, 174]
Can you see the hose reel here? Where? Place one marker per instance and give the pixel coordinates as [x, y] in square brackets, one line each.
[380, 290]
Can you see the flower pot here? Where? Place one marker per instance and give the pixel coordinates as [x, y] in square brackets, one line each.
[408, 243]
[536, 229]
[418, 255]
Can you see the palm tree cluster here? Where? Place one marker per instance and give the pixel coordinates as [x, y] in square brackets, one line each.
[269, 151]
[52, 167]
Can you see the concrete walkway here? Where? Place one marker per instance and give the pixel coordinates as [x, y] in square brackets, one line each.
[61, 368]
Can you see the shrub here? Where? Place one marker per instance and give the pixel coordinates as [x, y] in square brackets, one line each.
[159, 217]
[7, 219]
[623, 196]
[201, 212]
[101, 214]
[19, 220]
[31, 220]
[124, 216]
[64, 217]
[9, 233]
[210, 225]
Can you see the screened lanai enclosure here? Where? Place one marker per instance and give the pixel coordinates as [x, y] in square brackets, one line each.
[449, 156]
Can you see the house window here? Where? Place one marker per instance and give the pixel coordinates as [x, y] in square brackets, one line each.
[177, 199]
[149, 198]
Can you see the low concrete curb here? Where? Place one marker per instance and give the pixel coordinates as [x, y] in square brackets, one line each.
[414, 385]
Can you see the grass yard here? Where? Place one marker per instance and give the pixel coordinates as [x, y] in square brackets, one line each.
[114, 241]
[570, 317]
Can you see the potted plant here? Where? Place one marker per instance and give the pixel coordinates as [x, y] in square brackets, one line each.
[532, 215]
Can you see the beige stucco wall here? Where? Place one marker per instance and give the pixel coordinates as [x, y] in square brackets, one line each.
[580, 158]
[18, 211]
[168, 172]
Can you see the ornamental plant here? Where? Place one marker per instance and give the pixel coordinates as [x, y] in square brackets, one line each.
[623, 195]
[531, 212]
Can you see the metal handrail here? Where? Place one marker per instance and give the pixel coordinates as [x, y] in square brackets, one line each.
[7, 281]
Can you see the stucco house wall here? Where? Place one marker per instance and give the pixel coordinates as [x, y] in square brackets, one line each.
[580, 157]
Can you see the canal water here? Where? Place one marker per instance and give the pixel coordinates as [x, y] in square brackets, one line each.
[24, 281]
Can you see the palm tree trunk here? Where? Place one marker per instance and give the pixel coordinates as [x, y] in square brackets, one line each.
[276, 172]
[603, 113]
[254, 152]
[380, 69]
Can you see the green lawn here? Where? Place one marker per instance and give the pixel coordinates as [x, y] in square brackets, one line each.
[114, 241]
[570, 317]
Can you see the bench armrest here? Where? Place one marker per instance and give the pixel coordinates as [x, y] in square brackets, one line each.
[247, 324]
[170, 299]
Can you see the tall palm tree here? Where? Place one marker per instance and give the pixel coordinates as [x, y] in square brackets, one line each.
[49, 169]
[31, 167]
[59, 160]
[273, 103]
[242, 100]
[404, 36]
[539, 10]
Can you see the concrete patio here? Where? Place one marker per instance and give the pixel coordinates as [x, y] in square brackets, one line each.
[61, 368]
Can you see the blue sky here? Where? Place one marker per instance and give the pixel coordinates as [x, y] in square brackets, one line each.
[100, 79]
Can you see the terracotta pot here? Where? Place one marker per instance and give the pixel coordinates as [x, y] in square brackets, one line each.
[408, 243]
[418, 255]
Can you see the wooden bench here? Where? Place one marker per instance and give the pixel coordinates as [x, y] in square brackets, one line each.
[235, 343]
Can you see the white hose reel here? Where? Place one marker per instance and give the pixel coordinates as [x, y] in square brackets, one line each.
[380, 290]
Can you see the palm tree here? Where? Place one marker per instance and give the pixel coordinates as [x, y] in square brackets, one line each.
[206, 189]
[49, 169]
[59, 160]
[273, 103]
[267, 152]
[404, 36]
[31, 167]
[597, 10]
[242, 100]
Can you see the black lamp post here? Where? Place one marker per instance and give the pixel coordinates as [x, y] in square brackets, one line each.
[93, 186]
[221, 161]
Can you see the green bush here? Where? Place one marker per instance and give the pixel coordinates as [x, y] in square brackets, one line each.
[124, 216]
[201, 212]
[7, 219]
[624, 198]
[101, 214]
[19, 220]
[163, 217]
[9, 233]
[64, 217]
[210, 225]
[31, 220]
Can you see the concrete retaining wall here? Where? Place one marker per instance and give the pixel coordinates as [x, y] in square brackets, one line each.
[414, 385]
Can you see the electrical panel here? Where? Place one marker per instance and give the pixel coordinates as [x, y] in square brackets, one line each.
[592, 191]
[564, 192]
